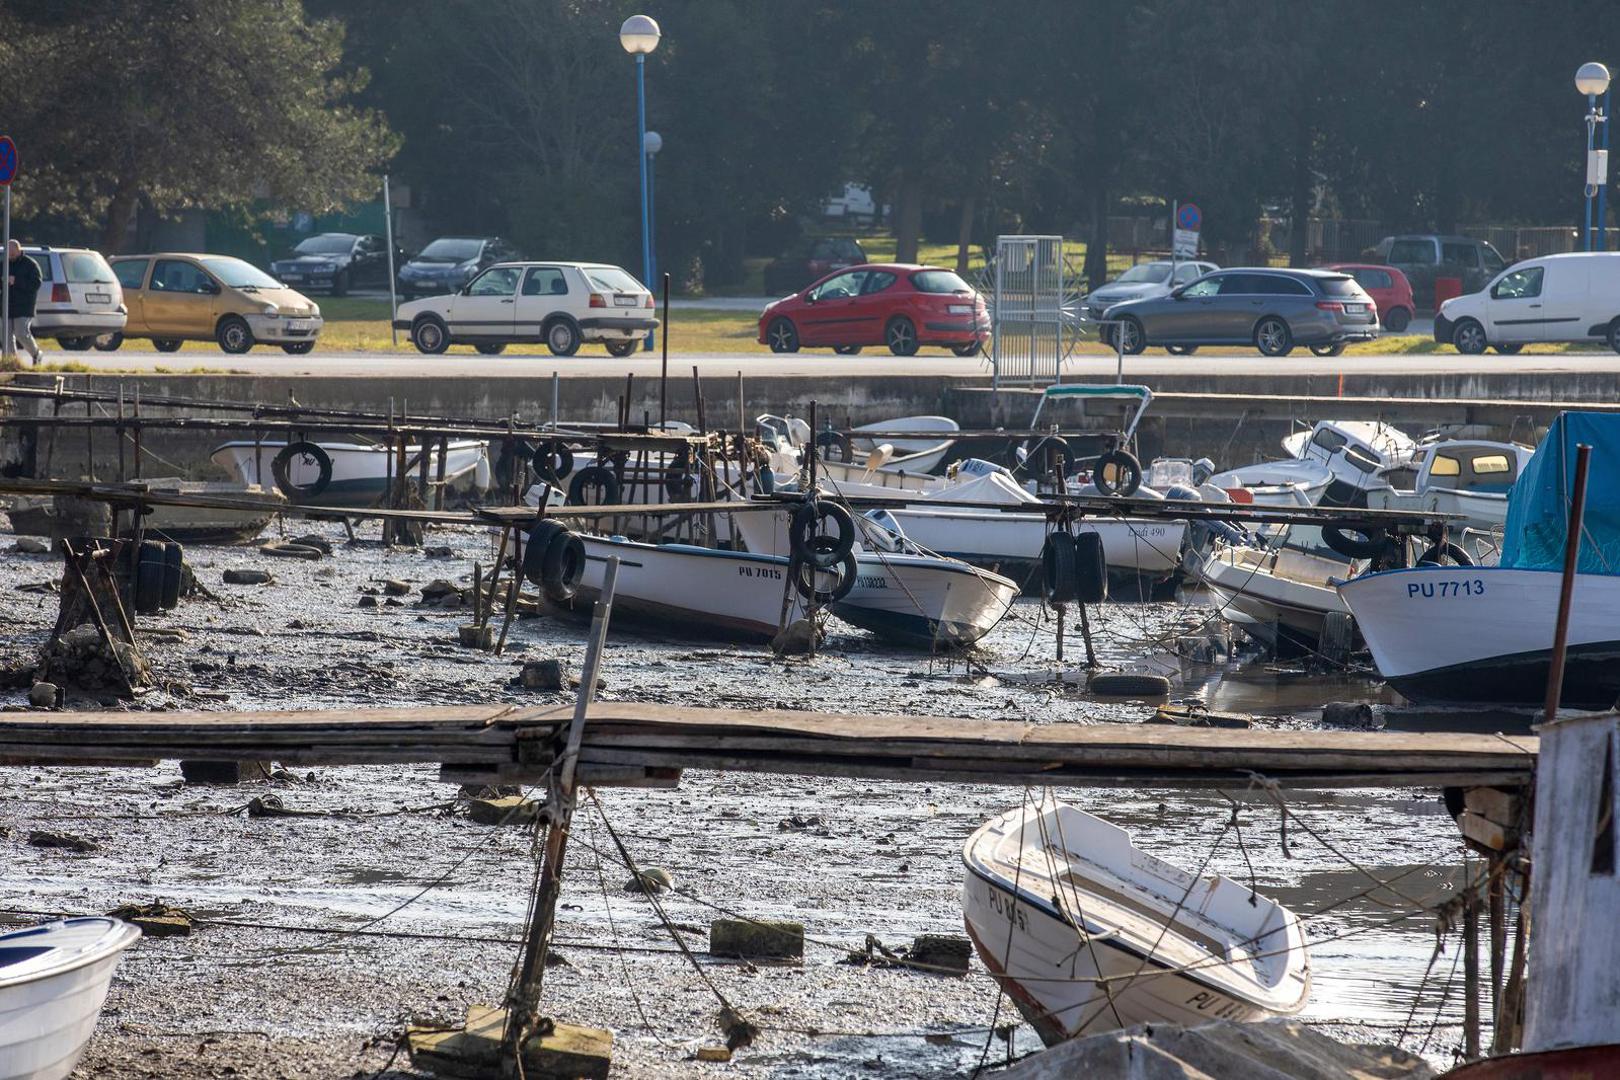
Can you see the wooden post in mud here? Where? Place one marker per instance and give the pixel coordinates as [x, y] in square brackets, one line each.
[1470, 945]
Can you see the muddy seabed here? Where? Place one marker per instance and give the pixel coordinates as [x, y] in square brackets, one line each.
[847, 858]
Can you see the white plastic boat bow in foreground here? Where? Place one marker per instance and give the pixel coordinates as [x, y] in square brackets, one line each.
[53, 981]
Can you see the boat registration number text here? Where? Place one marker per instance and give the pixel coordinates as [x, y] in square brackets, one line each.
[1429, 590]
[1222, 1008]
[770, 572]
[1007, 908]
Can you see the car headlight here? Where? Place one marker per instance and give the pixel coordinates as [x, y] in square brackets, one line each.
[270, 312]
[315, 311]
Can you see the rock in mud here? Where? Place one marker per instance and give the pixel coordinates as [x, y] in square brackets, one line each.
[156, 919]
[796, 638]
[473, 636]
[507, 810]
[654, 879]
[368, 601]
[947, 953]
[768, 938]
[248, 577]
[44, 695]
[439, 551]
[396, 588]
[544, 675]
[42, 838]
[1352, 714]
[32, 545]
[438, 590]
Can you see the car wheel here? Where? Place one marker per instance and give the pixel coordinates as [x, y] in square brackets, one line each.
[1128, 336]
[340, 283]
[971, 349]
[1272, 336]
[429, 335]
[233, 335]
[1614, 335]
[901, 337]
[1335, 349]
[1181, 350]
[847, 350]
[1399, 319]
[74, 344]
[622, 348]
[491, 348]
[1469, 337]
[562, 336]
[782, 336]
[167, 344]
[1508, 350]
[297, 348]
[109, 343]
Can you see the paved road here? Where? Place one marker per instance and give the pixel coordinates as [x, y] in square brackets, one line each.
[536, 361]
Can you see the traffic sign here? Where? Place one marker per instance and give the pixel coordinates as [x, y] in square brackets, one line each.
[1185, 244]
[8, 160]
[1189, 217]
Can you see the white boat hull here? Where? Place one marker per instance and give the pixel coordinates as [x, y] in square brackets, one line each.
[359, 473]
[46, 1022]
[1485, 512]
[1461, 634]
[1250, 592]
[1011, 543]
[925, 602]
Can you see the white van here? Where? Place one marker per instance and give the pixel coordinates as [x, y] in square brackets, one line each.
[1573, 297]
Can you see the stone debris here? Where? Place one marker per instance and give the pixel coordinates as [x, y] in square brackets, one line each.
[654, 879]
[156, 919]
[443, 593]
[44, 695]
[544, 675]
[947, 953]
[796, 638]
[713, 1053]
[368, 600]
[42, 838]
[473, 636]
[248, 577]
[506, 810]
[1352, 714]
[768, 938]
[82, 658]
[396, 587]
[32, 545]
[439, 551]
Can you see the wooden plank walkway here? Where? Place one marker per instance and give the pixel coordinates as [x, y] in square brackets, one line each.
[624, 740]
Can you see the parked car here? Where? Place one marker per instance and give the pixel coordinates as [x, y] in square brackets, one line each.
[809, 260]
[1273, 310]
[901, 305]
[561, 304]
[448, 263]
[855, 202]
[79, 300]
[1574, 297]
[1145, 280]
[174, 298]
[1388, 287]
[1422, 257]
[337, 262]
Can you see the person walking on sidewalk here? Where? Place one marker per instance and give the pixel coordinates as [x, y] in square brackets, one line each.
[25, 278]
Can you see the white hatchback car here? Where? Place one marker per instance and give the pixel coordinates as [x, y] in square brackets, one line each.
[80, 300]
[563, 305]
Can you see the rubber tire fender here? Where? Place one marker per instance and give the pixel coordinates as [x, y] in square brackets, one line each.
[810, 544]
[679, 484]
[829, 439]
[1090, 569]
[1124, 684]
[1446, 550]
[804, 575]
[552, 459]
[1126, 463]
[563, 567]
[1347, 542]
[1036, 448]
[304, 448]
[1058, 576]
[538, 546]
[146, 583]
[597, 476]
[174, 562]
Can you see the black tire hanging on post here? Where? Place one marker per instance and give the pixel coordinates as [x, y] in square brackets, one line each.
[536, 547]
[804, 574]
[805, 534]
[148, 580]
[563, 567]
[1349, 543]
[1090, 569]
[174, 573]
[828, 440]
[552, 459]
[312, 451]
[599, 477]
[1446, 550]
[1130, 473]
[1037, 448]
[1057, 566]
[679, 484]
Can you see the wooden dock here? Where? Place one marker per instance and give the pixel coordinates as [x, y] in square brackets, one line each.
[646, 745]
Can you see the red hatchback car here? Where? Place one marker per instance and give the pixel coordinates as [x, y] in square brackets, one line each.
[899, 305]
[1389, 289]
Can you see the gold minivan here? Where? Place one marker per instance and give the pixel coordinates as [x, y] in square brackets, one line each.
[173, 298]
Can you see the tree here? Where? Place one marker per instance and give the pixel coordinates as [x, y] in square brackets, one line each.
[180, 104]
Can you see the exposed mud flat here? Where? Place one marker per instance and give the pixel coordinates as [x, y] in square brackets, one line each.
[846, 858]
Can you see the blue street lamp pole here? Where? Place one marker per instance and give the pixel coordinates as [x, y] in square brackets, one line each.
[1603, 188]
[639, 35]
[1592, 79]
[651, 143]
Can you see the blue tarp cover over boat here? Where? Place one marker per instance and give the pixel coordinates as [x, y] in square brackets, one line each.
[1538, 507]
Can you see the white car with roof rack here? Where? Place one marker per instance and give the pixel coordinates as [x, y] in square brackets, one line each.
[80, 299]
[560, 304]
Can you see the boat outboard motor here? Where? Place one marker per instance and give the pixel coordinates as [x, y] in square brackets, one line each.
[1202, 470]
[979, 467]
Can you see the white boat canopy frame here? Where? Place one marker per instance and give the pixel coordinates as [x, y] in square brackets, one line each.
[1129, 392]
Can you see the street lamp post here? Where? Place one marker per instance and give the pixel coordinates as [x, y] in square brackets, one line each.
[639, 35]
[1592, 79]
[651, 143]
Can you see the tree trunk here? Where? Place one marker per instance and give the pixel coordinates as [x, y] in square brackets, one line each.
[1097, 247]
[120, 212]
[964, 234]
[908, 218]
[1300, 199]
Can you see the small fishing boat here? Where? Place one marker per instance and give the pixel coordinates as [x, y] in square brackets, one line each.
[53, 982]
[344, 474]
[1333, 463]
[936, 435]
[1088, 933]
[1281, 590]
[1470, 478]
[210, 524]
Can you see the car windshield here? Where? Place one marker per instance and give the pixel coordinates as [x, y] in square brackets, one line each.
[236, 274]
[938, 281]
[86, 268]
[612, 279]
[1145, 274]
[449, 249]
[330, 244]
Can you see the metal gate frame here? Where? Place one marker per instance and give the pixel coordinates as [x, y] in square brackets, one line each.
[1027, 326]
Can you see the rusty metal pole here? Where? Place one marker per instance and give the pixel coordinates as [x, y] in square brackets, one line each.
[663, 376]
[1566, 594]
[1470, 945]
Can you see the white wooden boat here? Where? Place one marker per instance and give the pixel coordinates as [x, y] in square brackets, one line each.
[1467, 477]
[1087, 933]
[1282, 593]
[1471, 633]
[936, 436]
[1335, 461]
[53, 982]
[359, 471]
[206, 524]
